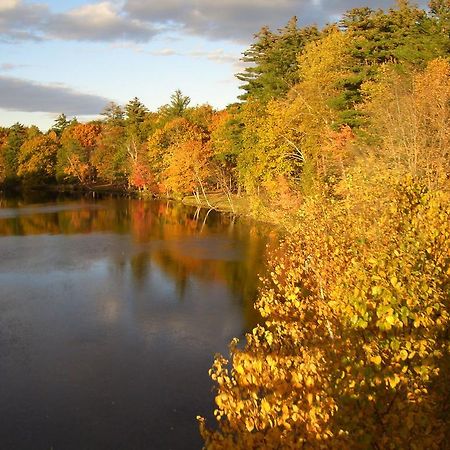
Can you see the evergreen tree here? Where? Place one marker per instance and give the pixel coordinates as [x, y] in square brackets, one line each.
[405, 35]
[178, 104]
[135, 112]
[273, 58]
[16, 137]
[440, 9]
[60, 124]
[440, 15]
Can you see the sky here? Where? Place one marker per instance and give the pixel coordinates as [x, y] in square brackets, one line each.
[76, 56]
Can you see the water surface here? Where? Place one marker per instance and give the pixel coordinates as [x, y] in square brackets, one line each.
[111, 311]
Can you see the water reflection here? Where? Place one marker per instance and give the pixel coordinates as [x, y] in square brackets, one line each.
[110, 313]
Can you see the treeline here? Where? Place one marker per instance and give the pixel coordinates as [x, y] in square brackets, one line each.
[309, 95]
[163, 153]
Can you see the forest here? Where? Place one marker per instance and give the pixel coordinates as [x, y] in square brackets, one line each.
[342, 137]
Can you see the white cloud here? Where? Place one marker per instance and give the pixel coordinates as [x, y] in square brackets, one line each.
[219, 56]
[98, 22]
[164, 52]
[102, 21]
[21, 21]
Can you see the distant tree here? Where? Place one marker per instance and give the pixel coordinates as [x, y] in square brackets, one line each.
[179, 156]
[37, 157]
[114, 114]
[440, 14]
[3, 140]
[141, 177]
[410, 118]
[17, 134]
[61, 123]
[33, 131]
[177, 107]
[138, 123]
[440, 9]
[87, 134]
[226, 143]
[179, 103]
[77, 145]
[135, 112]
[109, 155]
[404, 35]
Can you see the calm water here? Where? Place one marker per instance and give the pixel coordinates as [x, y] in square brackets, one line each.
[110, 313]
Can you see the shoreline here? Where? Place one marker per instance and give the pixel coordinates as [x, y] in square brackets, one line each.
[216, 201]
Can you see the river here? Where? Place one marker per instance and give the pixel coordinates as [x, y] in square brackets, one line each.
[111, 311]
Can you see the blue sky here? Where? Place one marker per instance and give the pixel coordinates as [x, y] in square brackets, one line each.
[74, 56]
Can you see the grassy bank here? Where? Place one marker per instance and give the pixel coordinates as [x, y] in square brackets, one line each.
[220, 202]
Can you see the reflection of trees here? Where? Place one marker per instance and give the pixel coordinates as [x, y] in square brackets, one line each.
[180, 240]
[140, 266]
[173, 223]
[175, 269]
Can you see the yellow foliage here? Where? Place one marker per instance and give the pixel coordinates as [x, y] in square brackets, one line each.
[37, 156]
[411, 115]
[356, 312]
[179, 154]
[283, 142]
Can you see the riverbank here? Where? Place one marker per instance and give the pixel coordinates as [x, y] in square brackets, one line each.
[237, 205]
[220, 202]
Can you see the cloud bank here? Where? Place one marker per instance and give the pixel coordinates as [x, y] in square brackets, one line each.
[141, 20]
[23, 95]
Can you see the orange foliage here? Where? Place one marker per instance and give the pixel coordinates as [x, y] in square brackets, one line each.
[179, 154]
[86, 134]
[141, 177]
[335, 152]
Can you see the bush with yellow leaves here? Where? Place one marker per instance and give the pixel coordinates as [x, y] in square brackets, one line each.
[356, 311]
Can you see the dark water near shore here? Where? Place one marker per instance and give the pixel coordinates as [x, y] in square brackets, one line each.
[111, 311]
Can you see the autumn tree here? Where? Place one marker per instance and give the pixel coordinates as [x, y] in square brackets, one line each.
[282, 142]
[37, 157]
[406, 35]
[3, 140]
[179, 154]
[109, 156]
[225, 140]
[135, 116]
[411, 118]
[142, 177]
[271, 159]
[77, 145]
[352, 353]
[138, 126]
